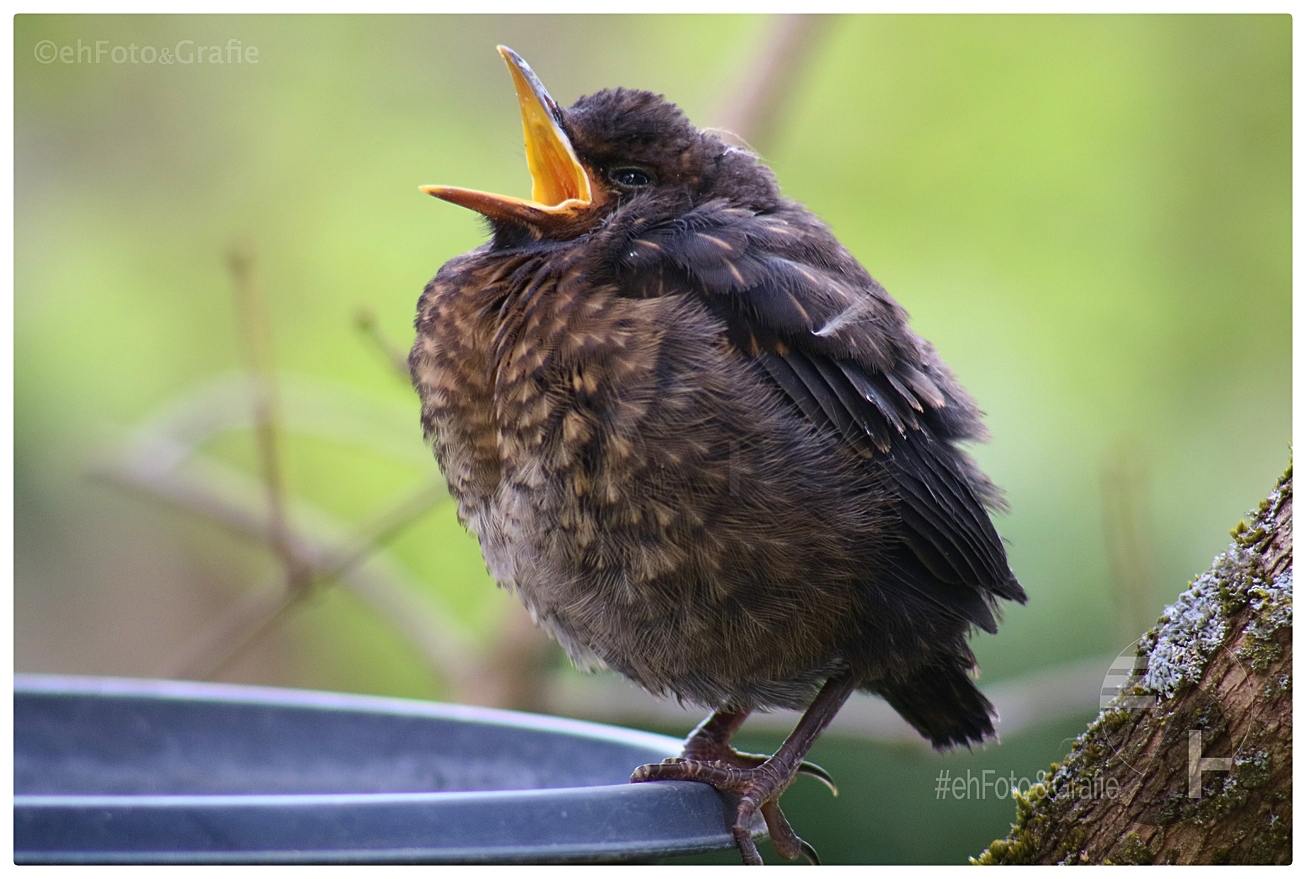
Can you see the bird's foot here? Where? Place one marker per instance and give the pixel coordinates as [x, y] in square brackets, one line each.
[716, 752]
[757, 781]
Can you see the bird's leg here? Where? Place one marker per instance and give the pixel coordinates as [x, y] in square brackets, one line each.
[709, 759]
[710, 740]
[710, 743]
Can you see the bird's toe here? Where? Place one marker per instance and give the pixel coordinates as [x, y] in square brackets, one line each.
[758, 787]
[788, 845]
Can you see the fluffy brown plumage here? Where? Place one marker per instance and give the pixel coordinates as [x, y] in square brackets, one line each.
[702, 444]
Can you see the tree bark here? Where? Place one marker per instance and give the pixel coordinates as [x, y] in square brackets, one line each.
[1191, 762]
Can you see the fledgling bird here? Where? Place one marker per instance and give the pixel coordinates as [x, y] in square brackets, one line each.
[703, 446]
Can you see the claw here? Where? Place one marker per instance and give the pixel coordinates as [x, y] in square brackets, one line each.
[806, 768]
[788, 845]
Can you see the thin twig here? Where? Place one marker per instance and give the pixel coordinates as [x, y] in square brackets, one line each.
[1128, 531]
[224, 637]
[250, 619]
[365, 321]
[256, 336]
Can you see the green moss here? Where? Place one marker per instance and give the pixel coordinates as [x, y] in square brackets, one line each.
[1221, 797]
[1260, 653]
[1133, 850]
[1114, 718]
[1253, 769]
[1071, 849]
[1026, 801]
[1249, 537]
[1273, 843]
[1278, 687]
[1002, 851]
[1018, 847]
[1272, 603]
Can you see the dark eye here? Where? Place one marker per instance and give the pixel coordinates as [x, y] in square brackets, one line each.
[630, 178]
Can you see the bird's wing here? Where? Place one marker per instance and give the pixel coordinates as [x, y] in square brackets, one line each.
[837, 345]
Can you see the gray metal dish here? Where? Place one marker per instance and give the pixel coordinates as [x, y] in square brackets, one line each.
[136, 771]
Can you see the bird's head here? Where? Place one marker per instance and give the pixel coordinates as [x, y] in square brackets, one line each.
[614, 149]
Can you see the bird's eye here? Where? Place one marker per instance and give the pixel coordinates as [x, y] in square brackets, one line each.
[630, 178]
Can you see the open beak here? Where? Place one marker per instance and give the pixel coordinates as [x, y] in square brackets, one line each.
[560, 184]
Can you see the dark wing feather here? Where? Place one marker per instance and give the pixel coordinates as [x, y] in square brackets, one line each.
[870, 419]
[867, 387]
[837, 345]
[783, 374]
[834, 408]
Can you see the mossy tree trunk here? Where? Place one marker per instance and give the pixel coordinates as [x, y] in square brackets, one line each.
[1192, 761]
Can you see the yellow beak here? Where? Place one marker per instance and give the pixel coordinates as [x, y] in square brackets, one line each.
[560, 184]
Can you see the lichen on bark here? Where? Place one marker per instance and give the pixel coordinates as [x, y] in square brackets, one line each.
[1192, 761]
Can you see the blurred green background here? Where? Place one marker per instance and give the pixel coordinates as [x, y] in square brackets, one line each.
[1089, 216]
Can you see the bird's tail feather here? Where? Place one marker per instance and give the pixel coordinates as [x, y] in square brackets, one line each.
[942, 703]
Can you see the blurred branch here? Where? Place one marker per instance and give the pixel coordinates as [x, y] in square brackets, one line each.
[223, 496]
[1023, 703]
[365, 321]
[228, 635]
[308, 405]
[754, 108]
[1128, 530]
[515, 670]
[256, 335]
